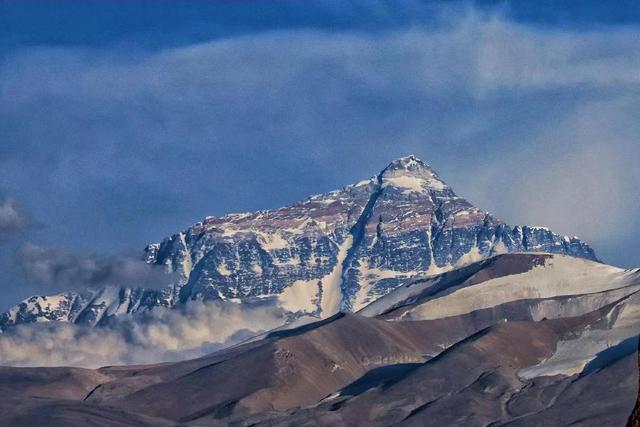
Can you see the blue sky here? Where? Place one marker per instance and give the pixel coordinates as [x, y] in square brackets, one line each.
[123, 122]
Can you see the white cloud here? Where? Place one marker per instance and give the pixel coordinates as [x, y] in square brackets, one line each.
[163, 334]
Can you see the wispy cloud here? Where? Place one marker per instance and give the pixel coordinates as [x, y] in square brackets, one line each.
[61, 270]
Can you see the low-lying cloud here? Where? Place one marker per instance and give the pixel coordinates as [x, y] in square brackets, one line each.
[163, 334]
[54, 269]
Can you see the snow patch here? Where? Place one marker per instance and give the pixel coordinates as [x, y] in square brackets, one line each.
[223, 269]
[293, 261]
[363, 182]
[186, 262]
[368, 278]
[435, 269]
[499, 248]
[470, 257]
[331, 290]
[301, 295]
[256, 268]
[408, 183]
[273, 241]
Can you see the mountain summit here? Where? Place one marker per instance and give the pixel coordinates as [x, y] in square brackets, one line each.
[332, 252]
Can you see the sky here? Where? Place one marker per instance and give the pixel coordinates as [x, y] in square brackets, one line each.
[124, 122]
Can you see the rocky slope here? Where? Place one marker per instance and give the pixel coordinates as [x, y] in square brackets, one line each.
[332, 252]
[516, 339]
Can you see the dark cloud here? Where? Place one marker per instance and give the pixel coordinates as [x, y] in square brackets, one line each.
[12, 218]
[63, 270]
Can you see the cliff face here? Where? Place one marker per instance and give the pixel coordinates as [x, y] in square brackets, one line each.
[336, 251]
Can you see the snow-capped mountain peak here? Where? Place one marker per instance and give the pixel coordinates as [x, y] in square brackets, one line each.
[335, 251]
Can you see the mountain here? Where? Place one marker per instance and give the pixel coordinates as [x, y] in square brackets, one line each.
[514, 339]
[333, 252]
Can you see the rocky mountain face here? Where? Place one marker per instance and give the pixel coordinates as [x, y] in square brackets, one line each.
[516, 339]
[333, 252]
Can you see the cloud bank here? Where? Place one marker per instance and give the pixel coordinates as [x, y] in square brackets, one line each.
[163, 334]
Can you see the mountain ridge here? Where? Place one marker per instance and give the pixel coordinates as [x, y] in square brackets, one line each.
[330, 252]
